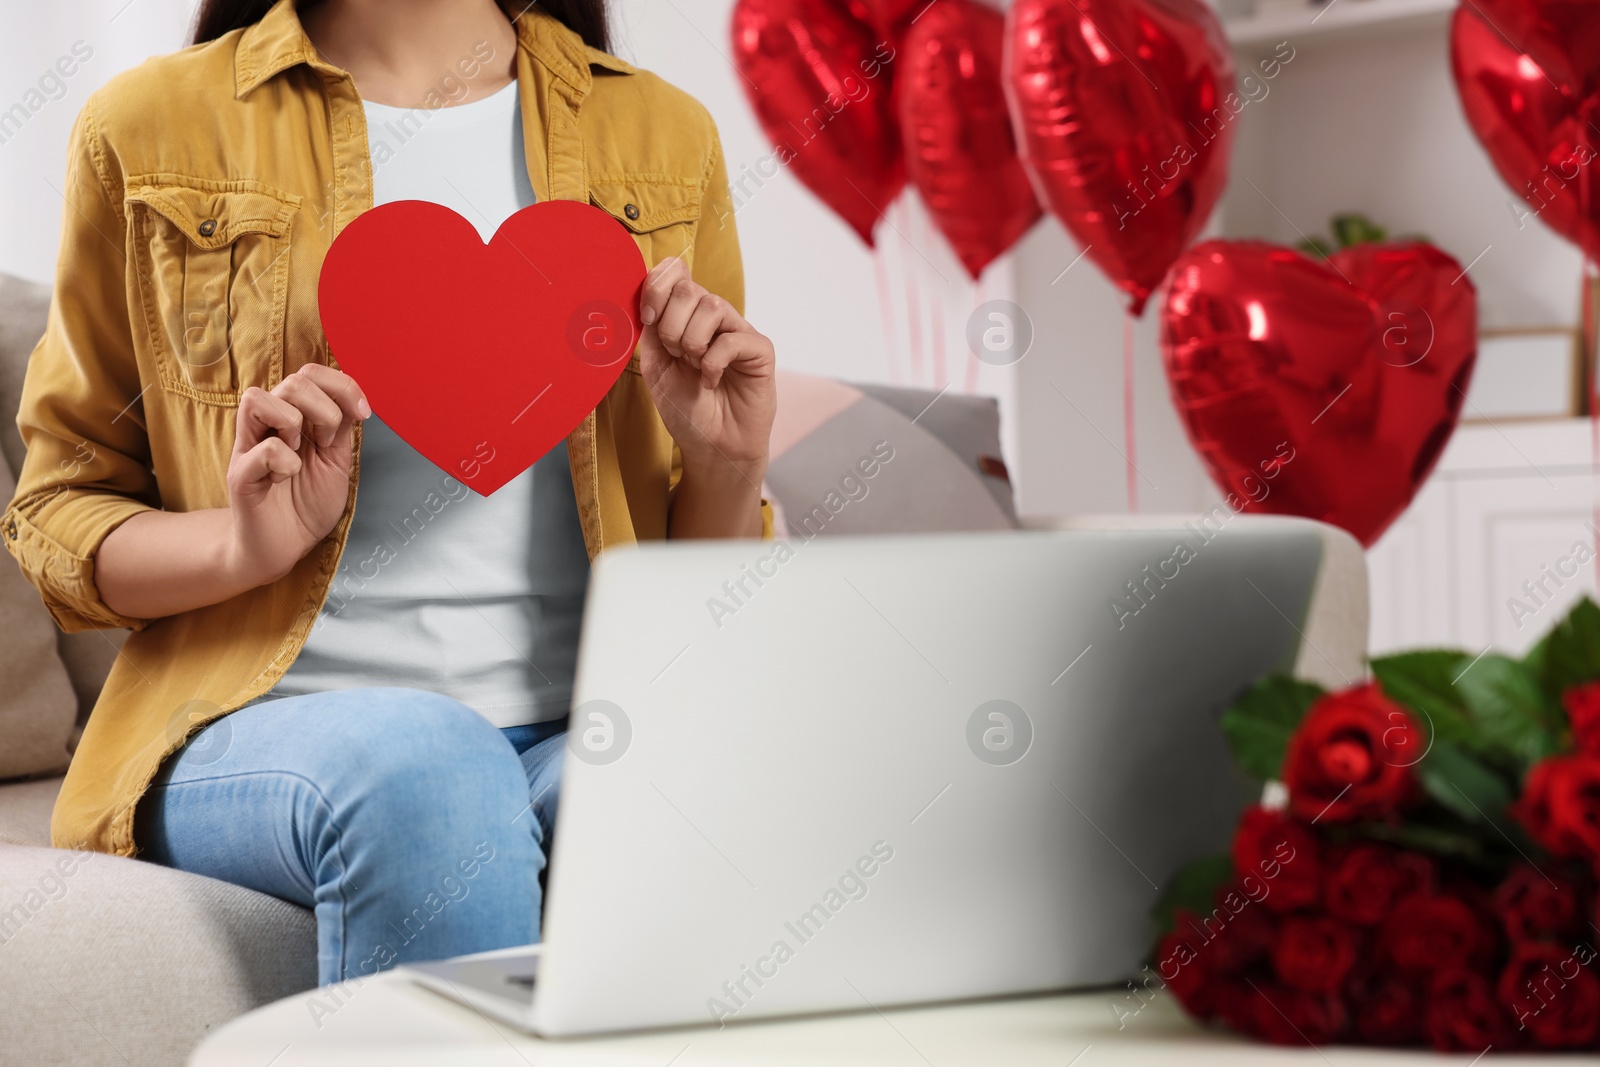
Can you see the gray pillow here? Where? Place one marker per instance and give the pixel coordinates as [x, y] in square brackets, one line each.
[24, 309]
[38, 709]
[885, 461]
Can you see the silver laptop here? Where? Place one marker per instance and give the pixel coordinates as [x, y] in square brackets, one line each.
[855, 773]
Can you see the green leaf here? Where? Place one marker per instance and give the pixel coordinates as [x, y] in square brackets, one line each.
[1462, 784]
[1437, 840]
[1510, 709]
[1570, 653]
[1193, 887]
[1424, 683]
[1259, 725]
[1354, 229]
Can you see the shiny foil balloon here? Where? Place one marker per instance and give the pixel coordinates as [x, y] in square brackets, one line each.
[1562, 36]
[1125, 113]
[1322, 390]
[1543, 136]
[890, 17]
[819, 81]
[960, 153]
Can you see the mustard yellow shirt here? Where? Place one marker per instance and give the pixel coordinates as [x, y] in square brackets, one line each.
[202, 192]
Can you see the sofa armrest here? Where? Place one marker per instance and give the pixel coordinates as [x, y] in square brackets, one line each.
[125, 963]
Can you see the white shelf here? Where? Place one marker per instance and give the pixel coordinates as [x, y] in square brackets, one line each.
[1337, 20]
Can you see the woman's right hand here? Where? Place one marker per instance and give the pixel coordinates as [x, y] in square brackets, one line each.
[289, 476]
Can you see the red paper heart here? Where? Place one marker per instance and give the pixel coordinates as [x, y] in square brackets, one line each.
[1327, 391]
[482, 357]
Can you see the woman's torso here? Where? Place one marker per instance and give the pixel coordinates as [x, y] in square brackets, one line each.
[203, 190]
[475, 597]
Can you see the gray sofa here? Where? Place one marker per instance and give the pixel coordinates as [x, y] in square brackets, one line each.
[105, 960]
[113, 961]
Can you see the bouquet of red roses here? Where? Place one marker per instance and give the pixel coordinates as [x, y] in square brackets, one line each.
[1422, 868]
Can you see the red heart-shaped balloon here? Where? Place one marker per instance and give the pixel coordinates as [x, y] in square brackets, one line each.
[960, 151]
[819, 81]
[1125, 112]
[470, 351]
[889, 17]
[1562, 36]
[1540, 130]
[1326, 391]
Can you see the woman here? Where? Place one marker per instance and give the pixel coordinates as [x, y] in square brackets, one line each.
[360, 709]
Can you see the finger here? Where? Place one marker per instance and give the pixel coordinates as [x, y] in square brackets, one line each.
[345, 390]
[658, 286]
[271, 461]
[684, 302]
[710, 318]
[726, 350]
[322, 414]
[261, 416]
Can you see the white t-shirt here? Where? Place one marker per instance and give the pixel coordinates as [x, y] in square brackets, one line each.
[476, 598]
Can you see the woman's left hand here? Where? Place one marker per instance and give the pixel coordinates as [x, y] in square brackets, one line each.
[711, 374]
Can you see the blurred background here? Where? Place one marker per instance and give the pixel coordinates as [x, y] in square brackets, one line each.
[1363, 118]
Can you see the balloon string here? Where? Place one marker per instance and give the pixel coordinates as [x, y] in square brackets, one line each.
[1128, 436]
[891, 347]
[979, 292]
[913, 307]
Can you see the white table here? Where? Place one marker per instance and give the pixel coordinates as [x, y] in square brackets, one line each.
[389, 1020]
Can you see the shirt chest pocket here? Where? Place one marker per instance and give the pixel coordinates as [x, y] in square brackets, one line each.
[661, 214]
[213, 276]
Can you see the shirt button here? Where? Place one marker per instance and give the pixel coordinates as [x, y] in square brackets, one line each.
[632, 211]
[208, 227]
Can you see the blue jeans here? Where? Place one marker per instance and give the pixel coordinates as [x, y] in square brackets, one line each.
[413, 827]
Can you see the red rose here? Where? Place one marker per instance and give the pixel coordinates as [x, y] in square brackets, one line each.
[1531, 903]
[1583, 711]
[1284, 1016]
[1180, 967]
[1276, 856]
[1437, 933]
[1462, 1014]
[1351, 757]
[1238, 932]
[1388, 1011]
[1314, 954]
[1366, 881]
[1560, 805]
[1232, 1002]
[1552, 995]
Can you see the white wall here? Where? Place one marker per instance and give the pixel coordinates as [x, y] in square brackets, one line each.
[1369, 124]
[115, 35]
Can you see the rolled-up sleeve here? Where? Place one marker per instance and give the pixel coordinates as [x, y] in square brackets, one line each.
[88, 455]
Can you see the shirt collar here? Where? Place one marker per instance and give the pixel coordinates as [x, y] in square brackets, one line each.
[279, 42]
